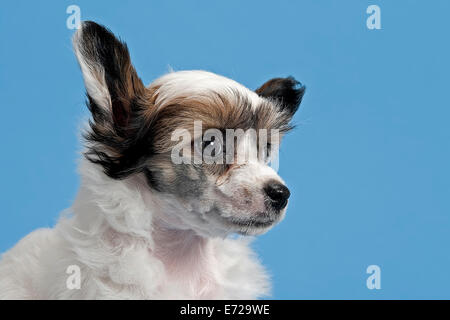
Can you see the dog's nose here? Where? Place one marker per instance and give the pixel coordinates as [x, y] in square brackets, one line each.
[278, 194]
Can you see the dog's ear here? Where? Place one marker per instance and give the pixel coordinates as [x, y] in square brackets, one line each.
[111, 81]
[116, 99]
[287, 91]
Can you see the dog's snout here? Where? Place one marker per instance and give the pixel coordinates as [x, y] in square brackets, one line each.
[278, 194]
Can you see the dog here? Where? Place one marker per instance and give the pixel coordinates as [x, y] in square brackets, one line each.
[143, 226]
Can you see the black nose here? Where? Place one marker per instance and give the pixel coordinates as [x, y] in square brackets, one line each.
[278, 194]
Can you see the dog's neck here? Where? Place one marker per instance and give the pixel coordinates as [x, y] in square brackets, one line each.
[183, 252]
[189, 258]
[121, 208]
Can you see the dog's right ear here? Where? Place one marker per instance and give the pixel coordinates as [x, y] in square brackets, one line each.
[116, 99]
[111, 81]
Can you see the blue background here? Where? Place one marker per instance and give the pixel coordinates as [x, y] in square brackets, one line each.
[368, 164]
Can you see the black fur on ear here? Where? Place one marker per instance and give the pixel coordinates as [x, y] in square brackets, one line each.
[110, 78]
[287, 91]
[117, 137]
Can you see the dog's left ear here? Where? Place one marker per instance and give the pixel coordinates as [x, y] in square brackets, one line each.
[287, 91]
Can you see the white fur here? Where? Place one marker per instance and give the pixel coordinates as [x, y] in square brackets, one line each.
[93, 75]
[191, 83]
[114, 235]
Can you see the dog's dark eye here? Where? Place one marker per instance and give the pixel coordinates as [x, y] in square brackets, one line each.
[209, 147]
[214, 146]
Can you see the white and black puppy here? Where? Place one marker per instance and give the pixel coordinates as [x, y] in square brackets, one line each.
[143, 225]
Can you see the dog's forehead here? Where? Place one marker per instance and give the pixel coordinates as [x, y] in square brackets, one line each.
[199, 84]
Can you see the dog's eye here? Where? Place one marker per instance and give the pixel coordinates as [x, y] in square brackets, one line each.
[212, 147]
[209, 147]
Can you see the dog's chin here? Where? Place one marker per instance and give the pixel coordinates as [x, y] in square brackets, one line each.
[251, 226]
[218, 223]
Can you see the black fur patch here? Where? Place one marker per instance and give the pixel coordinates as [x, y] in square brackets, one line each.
[288, 91]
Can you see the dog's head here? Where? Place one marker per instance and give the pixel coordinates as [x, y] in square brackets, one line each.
[203, 142]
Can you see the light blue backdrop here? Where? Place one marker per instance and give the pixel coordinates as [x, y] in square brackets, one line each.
[368, 164]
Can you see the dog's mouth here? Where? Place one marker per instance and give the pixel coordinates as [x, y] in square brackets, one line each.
[250, 225]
